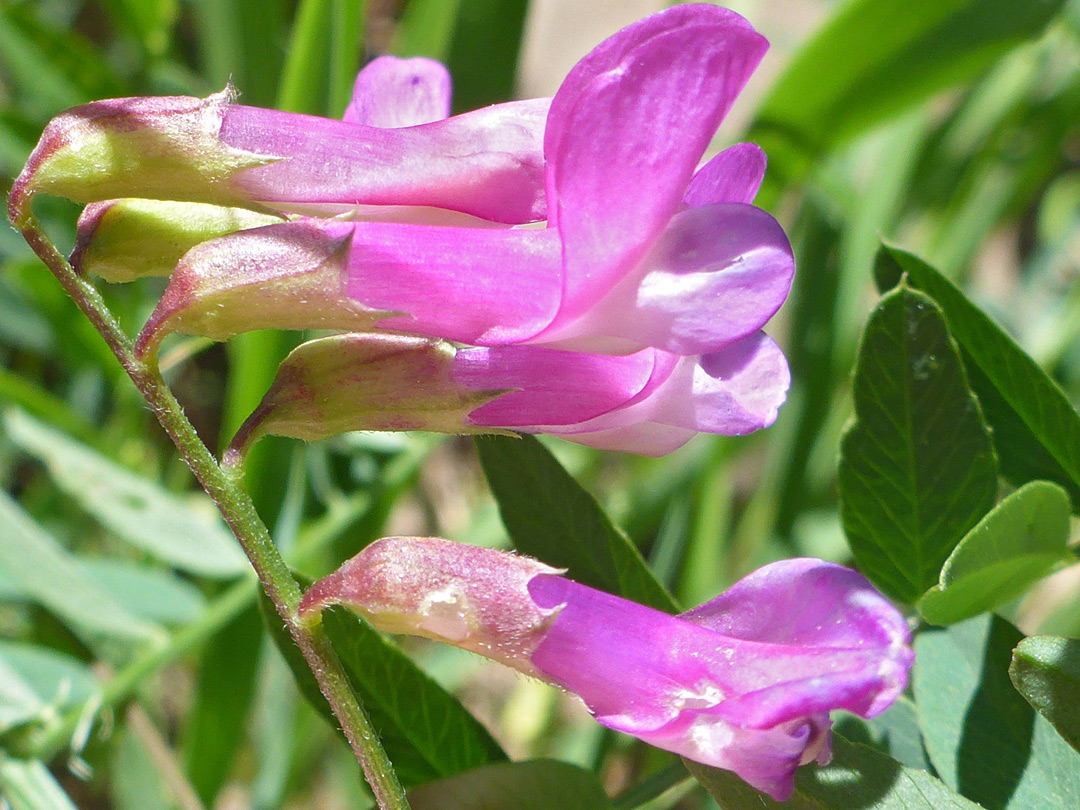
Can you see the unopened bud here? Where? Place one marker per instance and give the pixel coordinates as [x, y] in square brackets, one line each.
[474, 598]
[285, 276]
[161, 147]
[122, 240]
[363, 382]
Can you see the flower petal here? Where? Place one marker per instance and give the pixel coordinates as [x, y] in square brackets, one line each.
[549, 387]
[734, 176]
[610, 53]
[487, 163]
[810, 603]
[285, 276]
[733, 392]
[621, 154]
[717, 274]
[391, 93]
[484, 287]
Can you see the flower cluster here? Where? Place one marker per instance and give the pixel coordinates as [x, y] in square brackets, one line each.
[744, 682]
[606, 285]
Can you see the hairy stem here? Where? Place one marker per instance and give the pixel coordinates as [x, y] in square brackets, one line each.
[223, 486]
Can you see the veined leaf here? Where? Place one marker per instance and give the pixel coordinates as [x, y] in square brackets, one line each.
[983, 739]
[1046, 671]
[858, 776]
[34, 680]
[47, 573]
[911, 49]
[426, 732]
[549, 516]
[540, 784]
[917, 469]
[1036, 428]
[28, 785]
[1023, 539]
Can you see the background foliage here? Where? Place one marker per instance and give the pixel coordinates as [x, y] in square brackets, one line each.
[136, 670]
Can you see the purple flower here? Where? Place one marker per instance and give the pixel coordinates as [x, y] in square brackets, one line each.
[744, 682]
[650, 402]
[487, 163]
[641, 249]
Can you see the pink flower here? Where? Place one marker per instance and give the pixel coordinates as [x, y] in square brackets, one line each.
[744, 682]
[639, 249]
[487, 163]
[649, 402]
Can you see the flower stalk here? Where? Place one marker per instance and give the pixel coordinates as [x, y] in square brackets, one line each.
[223, 486]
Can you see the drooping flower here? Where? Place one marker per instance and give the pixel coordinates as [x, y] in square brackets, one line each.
[744, 682]
[650, 402]
[639, 250]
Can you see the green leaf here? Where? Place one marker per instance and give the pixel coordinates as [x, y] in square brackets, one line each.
[303, 77]
[917, 469]
[49, 575]
[540, 784]
[134, 780]
[153, 594]
[483, 53]
[36, 680]
[478, 40]
[217, 723]
[426, 29]
[426, 732]
[186, 533]
[832, 91]
[1046, 671]
[1023, 539]
[146, 593]
[858, 777]
[1036, 428]
[28, 785]
[149, 21]
[551, 517]
[894, 732]
[983, 739]
[51, 68]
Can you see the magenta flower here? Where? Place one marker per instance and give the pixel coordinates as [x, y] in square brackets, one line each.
[650, 402]
[744, 682]
[487, 163]
[640, 250]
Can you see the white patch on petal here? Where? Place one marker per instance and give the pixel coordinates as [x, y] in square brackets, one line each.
[445, 613]
[709, 739]
[702, 698]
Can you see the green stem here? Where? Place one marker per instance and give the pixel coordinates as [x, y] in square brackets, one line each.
[239, 512]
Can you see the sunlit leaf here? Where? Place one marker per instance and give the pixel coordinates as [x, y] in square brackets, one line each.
[917, 469]
[549, 516]
[857, 777]
[1036, 428]
[425, 730]
[1046, 671]
[540, 784]
[983, 738]
[1020, 541]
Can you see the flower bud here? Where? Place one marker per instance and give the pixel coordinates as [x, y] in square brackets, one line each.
[744, 682]
[363, 382]
[122, 240]
[160, 147]
[285, 276]
[474, 598]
